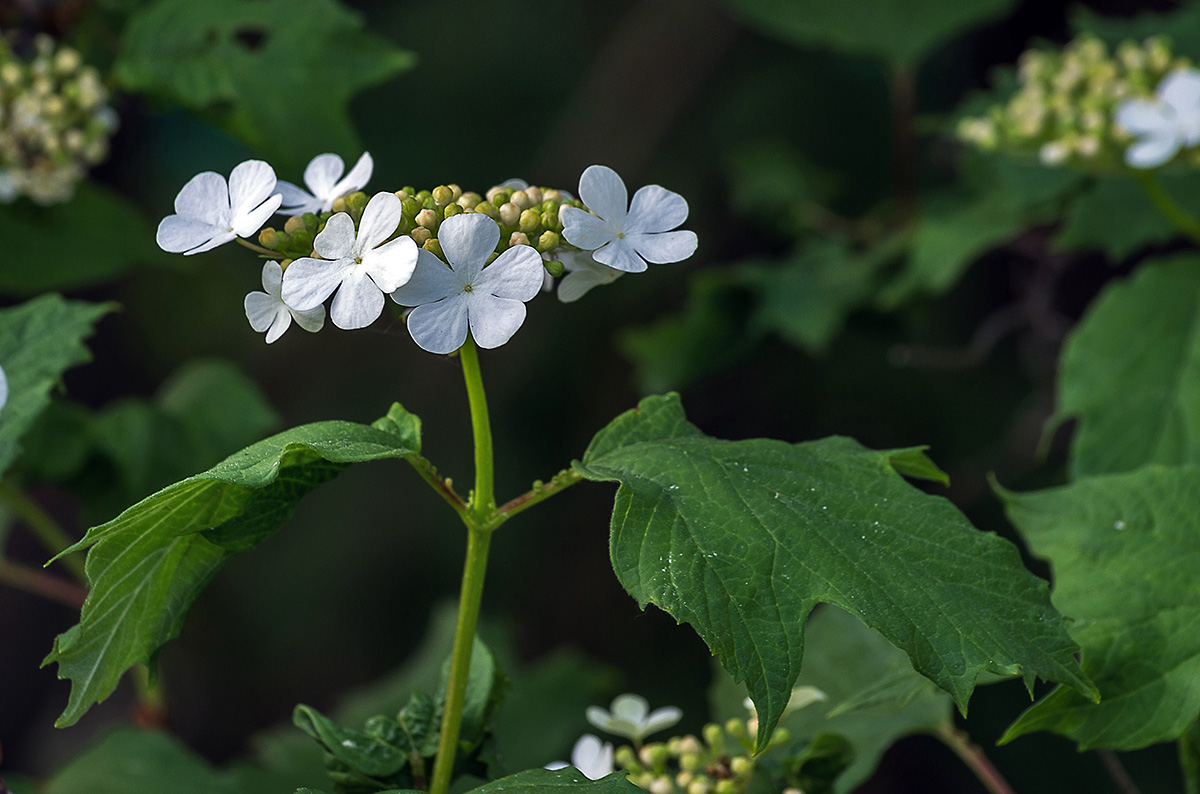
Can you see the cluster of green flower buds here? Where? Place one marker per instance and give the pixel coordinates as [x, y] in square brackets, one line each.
[54, 122]
[722, 762]
[1064, 107]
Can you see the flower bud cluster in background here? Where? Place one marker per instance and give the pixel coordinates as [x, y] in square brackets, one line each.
[1065, 109]
[55, 122]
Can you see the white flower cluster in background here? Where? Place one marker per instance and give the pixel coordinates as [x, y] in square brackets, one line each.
[55, 122]
[463, 263]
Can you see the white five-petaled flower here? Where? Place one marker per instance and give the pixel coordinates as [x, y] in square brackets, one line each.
[209, 212]
[1163, 125]
[267, 311]
[324, 179]
[590, 756]
[3, 388]
[583, 273]
[631, 717]
[626, 239]
[360, 266]
[490, 301]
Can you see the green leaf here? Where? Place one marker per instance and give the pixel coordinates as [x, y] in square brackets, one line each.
[93, 238]
[1130, 372]
[1189, 758]
[1115, 216]
[147, 565]
[900, 33]
[1125, 549]
[743, 538]
[39, 340]
[873, 697]
[277, 73]
[545, 781]
[1181, 26]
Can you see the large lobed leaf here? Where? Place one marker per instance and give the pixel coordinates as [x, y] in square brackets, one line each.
[1125, 549]
[39, 341]
[279, 73]
[743, 538]
[1130, 372]
[147, 565]
[542, 781]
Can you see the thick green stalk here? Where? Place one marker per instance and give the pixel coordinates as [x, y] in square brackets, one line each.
[1179, 217]
[479, 538]
[41, 524]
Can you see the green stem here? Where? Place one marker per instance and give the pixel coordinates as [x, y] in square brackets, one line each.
[973, 757]
[41, 524]
[442, 485]
[1179, 217]
[539, 493]
[258, 249]
[483, 502]
[41, 583]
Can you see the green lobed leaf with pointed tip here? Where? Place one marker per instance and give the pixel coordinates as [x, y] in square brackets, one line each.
[39, 341]
[146, 566]
[1125, 549]
[543, 781]
[742, 539]
[1130, 372]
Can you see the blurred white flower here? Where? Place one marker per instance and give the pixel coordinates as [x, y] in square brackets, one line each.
[626, 239]
[267, 311]
[1164, 125]
[490, 301]
[801, 696]
[631, 717]
[210, 212]
[583, 273]
[590, 756]
[360, 266]
[324, 179]
[3, 388]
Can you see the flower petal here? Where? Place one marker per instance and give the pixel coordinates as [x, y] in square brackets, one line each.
[661, 718]
[322, 173]
[358, 302]
[493, 320]
[312, 320]
[295, 200]
[663, 247]
[619, 255]
[1181, 90]
[391, 264]
[467, 241]
[516, 273]
[440, 327]
[250, 183]
[1151, 151]
[308, 282]
[431, 281]
[205, 197]
[585, 230]
[1139, 117]
[3, 388]
[283, 319]
[379, 221]
[250, 222]
[272, 279]
[358, 177]
[218, 239]
[179, 234]
[261, 310]
[578, 283]
[603, 192]
[592, 757]
[656, 209]
[630, 707]
[336, 240]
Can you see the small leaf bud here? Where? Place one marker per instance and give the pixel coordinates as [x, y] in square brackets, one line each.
[293, 224]
[509, 213]
[428, 219]
[529, 221]
[268, 238]
[488, 209]
[442, 195]
[554, 267]
[548, 241]
[434, 247]
[420, 235]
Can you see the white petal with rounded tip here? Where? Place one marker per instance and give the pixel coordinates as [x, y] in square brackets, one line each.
[493, 320]
[1139, 116]
[1152, 150]
[578, 283]
[379, 221]
[205, 197]
[295, 200]
[218, 239]
[262, 310]
[592, 757]
[391, 264]
[178, 234]
[630, 707]
[440, 327]
[1181, 90]
[661, 718]
[619, 255]
[283, 319]
[655, 209]
[308, 282]
[322, 173]
[516, 274]
[663, 247]
[3, 388]
[337, 239]
[602, 190]
[250, 183]
[272, 279]
[312, 320]
[250, 222]
[358, 302]
[467, 241]
[358, 177]
[585, 230]
[431, 281]
[514, 183]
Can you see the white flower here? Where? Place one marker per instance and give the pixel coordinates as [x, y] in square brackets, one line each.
[627, 239]
[323, 176]
[591, 757]
[361, 267]
[3, 388]
[583, 273]
[1165, 125]
[210, 213]
[631, 717]
[489, 300]
[801, 697]
[267, 311]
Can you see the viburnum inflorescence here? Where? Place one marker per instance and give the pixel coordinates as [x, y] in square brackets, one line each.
[462, 261]
[55, 121]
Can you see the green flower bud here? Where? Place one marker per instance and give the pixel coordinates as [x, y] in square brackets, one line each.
[518, 238]
[451, 210]
[442, 195]
[736, 728]
[548, 241]
[269, 238]
[741, 765]
[673, 742]
[661, 785]
[643, 780]
[690, 744]
[302, 240]
[420, 235]
[434, 247]
[714, 737]
[626, 759]
[357, 202]
[529, 221]
[455, 192]
[701, 785]
[427, 218]
[730, 787]
[498, 195]
[535, 195]
[339, 205]
[293, 224]
[313, 223]
[488, 209]
[654, 755]
[684, 779]
[468, 200]
[550, 194]
[509, 213]
[402, 194]
[690, 762]
[521, 199]
[410, 207]
[423, 196]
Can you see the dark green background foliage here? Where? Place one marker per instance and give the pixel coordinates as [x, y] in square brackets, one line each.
[851, 280]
